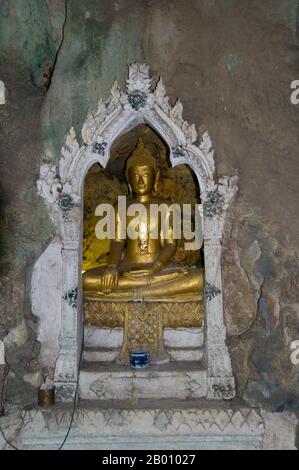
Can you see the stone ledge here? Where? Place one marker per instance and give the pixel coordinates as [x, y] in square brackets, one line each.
[150, 424]
[178, 380]
[192, 426]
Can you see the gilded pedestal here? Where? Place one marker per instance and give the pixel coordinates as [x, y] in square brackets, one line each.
[143, 322]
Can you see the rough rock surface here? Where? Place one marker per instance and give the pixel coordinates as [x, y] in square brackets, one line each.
[231, 63]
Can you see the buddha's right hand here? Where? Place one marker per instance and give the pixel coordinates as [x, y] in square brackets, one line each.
[109, 279]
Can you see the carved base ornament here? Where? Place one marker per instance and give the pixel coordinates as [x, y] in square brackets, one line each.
[143, 323]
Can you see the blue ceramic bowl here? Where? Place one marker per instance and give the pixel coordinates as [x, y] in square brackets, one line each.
[139, 360]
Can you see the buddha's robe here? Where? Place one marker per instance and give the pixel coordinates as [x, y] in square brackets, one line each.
[173, 282]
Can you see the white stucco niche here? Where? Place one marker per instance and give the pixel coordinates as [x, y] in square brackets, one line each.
[59, 285]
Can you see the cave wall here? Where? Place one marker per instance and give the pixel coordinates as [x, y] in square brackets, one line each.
[231, 62]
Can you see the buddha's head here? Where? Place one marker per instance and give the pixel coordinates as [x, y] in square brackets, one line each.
[141, 171]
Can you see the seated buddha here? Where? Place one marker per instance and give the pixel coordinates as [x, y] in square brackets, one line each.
[142, 267]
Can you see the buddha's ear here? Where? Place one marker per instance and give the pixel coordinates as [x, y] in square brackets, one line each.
[156, 180]
[128, 182]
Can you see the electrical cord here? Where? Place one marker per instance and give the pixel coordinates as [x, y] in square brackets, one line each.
[7, 441]
[1, 430]
[75, 398]
[73, 412]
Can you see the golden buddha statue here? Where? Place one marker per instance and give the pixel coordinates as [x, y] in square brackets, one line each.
[142, 268]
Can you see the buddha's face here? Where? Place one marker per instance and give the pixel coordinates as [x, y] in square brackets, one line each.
[142, 179]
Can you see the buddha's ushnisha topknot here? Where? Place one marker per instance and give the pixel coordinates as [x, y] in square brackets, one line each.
[141, 156]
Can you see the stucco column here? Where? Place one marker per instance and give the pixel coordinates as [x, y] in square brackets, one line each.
[221, 384]
[220, 378]
[70, 339]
